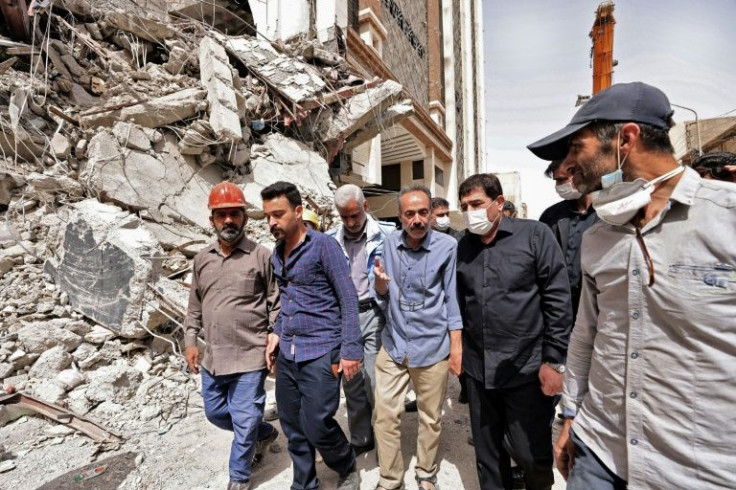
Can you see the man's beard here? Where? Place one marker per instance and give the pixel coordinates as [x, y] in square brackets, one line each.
[229, 233]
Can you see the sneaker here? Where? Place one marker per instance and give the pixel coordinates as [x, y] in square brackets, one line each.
[262, 446]
[349, 481]
[410, 406]
[517, 478]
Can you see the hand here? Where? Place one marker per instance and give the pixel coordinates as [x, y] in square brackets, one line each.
[272, 344]
[456, 361]
[382, 278]
[192, 356]
[551, 380]
[565, 450]
[349, 368]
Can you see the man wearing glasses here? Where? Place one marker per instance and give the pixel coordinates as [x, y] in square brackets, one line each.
[648, 389]
[415, 284]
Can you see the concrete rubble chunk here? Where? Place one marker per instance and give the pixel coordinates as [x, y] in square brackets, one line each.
[282, 158]
[38, 337]
[177, 236]
[51, 363]
[216, 77]
[49, 391]
[157, 112]
[391, 116]
[131, 136]
[113, 383]
[6, 369]
[141, 26]
[60, 146]
[361, 109]
[290, 77]
[106, 259]
[55, 184]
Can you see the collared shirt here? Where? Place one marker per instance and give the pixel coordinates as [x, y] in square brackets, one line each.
[355, 249]
[319, 304]
[568, 225]
[234, 299]
[421, 303]
[650, 369]
[515, 299]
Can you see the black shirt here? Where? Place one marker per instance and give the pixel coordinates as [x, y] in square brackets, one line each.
[514, 296]
[568, 225]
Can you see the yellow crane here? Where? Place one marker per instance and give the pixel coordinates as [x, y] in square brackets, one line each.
[602, 51]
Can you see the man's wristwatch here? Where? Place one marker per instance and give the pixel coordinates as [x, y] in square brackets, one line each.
[560, 368]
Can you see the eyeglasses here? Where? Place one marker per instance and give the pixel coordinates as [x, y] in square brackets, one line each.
[647, 258]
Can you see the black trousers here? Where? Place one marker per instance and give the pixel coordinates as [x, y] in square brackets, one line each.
[511, 423]
[307, 396]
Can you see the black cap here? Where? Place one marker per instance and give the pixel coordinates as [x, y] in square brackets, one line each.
[623, 102]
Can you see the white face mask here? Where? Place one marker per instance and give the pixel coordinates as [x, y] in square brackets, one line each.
[568, 191]
[442, 223]
[619, 203]
[477, 220]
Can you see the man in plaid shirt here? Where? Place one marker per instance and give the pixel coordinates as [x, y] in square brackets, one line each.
[318, 339]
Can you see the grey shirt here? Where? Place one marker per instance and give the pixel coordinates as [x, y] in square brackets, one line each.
[650, 369]
[358, 268]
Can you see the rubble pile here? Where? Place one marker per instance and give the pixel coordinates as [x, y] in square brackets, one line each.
[114, 126]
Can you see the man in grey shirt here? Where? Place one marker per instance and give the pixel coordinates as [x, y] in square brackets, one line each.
[649, 378]
[415, 281]
[361, 238]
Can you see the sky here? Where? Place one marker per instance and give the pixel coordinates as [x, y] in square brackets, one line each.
[537, 61]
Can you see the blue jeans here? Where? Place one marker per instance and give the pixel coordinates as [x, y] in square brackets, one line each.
[235, 402]
[307, 396]
[589, 473]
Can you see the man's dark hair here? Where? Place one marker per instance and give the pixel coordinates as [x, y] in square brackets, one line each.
[509, 206]
[489, 183]
[281, 188]
[439, 202]
[652, 138]
[553, 165]
[414, 188]
[713, 163]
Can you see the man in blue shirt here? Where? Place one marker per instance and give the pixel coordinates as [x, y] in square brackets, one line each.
[415, 283]
[318, 336]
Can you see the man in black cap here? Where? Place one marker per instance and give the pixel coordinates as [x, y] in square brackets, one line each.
[650, 361]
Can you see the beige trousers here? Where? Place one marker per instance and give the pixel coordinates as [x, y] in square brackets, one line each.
[392, 382]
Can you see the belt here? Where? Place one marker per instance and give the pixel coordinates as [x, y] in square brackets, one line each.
[366, 305]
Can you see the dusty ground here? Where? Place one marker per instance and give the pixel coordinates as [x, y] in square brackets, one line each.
[192, 454]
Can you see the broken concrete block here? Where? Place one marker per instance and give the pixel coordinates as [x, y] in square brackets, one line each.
[106, 260]
[216, 77]
[131, 136]
[99, 335]
[357, 111]
[70, 378]
[191, 201]
[290, 77]
[391, 116]
[113, 383]
[38, 337]
[49, 391]
[77, 401]
[141, 26]
[51, 363]
[6, 369]
[282, 158]
[55, 184]
[84, 352]
[176, 236]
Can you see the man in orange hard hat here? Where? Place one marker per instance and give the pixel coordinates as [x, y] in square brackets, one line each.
[234, 301]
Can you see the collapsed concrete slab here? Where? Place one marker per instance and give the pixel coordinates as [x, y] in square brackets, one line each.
[106, 259]
[290, 77]
[216, 76]
[282, 158]
[54, 184]
[358, 111]
[391, 116]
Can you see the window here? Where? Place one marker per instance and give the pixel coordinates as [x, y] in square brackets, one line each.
[391, 177]
[417, 170]
[439, 176]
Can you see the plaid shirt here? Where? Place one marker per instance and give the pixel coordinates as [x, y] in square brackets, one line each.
[319, 303]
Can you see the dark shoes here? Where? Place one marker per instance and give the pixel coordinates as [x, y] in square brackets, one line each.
[517, 478]
[349, 481]
[410, 406]
[234, 485]
[262, 446]
[363, 449]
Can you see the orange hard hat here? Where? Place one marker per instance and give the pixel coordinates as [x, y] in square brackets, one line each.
[226, 195]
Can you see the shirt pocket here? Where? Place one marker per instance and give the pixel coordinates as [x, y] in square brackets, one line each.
[304, 276]
[703, 279]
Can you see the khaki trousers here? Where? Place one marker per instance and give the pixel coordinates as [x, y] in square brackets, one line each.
[392, 382]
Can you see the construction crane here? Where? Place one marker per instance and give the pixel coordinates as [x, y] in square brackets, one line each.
[602, 51]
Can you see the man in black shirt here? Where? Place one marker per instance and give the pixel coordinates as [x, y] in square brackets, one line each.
[514, 295]
[568, 220]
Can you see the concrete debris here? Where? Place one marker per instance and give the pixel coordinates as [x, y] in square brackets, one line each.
[108, 153]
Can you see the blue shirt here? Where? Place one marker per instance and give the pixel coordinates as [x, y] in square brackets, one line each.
[421, 304]
[320, 303]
